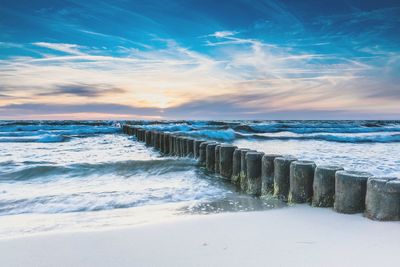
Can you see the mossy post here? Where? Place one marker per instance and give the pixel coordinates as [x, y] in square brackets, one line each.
[350, 190]
[282, 177]
[210, 157]
[301, 181]
[226, 160]
[382, 201]
[253, 162]
[243, 169]
[324, 185]
[217, 157]
[267, 173]
[236, 162]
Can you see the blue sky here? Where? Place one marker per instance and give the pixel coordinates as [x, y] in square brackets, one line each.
[199, 59]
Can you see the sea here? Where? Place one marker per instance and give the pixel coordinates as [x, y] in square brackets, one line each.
[60, 176]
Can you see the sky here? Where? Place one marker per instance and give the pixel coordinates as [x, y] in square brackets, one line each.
[184, 59]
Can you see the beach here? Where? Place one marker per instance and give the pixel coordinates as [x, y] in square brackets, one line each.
[199, 133]
[297, 235]
[85, 194]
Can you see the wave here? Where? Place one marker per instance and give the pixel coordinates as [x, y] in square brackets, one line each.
[120, 168]
[333, 138]
[169, 128]
[298, 127]
[57, 123]
[47, 138]
[53, 132]
[319, 127]
[67, 129]
[222, 135]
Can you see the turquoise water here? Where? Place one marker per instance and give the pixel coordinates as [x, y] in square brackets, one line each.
[77, 175]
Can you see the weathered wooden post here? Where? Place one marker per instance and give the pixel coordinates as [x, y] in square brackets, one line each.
[153, 138]
[282, 176]
[190, 147]
[171, 144]
[382, 201]
[217, 157]
[226, 160]
[243, 169]
[267, 173]
[324, 185]
[253, 162]
[183, 146]
[166, 143]
[196, 147]
[301, 181]
[141, 135]
[236, 162]
[177, 146]
[350, 190]
[148, 138]
[203, 153]
[210, 157]
[162, 143]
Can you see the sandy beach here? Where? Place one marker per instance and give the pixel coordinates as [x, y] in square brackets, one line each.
[299, 235]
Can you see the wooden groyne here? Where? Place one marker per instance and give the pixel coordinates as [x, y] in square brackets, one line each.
[284, 177]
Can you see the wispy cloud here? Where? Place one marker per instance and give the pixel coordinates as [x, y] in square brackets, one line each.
[223, 34]
[140, 60]
[67, 48]
[82, 90]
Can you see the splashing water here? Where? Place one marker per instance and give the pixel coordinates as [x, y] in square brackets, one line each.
[75, 175]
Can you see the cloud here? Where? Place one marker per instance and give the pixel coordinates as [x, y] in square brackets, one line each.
[234, 106]
[223, 34]
[281, 62]
[82, 90]
[72, 49]
[28, 109]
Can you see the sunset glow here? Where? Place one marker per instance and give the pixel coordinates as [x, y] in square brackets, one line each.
[199, 60]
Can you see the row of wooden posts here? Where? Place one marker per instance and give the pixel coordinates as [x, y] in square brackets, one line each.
[284, 177]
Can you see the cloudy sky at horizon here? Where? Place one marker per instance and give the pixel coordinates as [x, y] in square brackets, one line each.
[190, 59]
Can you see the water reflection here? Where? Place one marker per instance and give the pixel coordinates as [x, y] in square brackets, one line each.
[234, 203]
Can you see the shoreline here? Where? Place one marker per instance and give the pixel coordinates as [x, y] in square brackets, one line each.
[278, 237]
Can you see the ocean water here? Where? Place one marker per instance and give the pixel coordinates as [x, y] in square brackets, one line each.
[80, 175]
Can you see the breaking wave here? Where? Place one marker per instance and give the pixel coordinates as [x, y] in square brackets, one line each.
[336, 138]
[52, 132]
[330, 131]
[122, 168]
